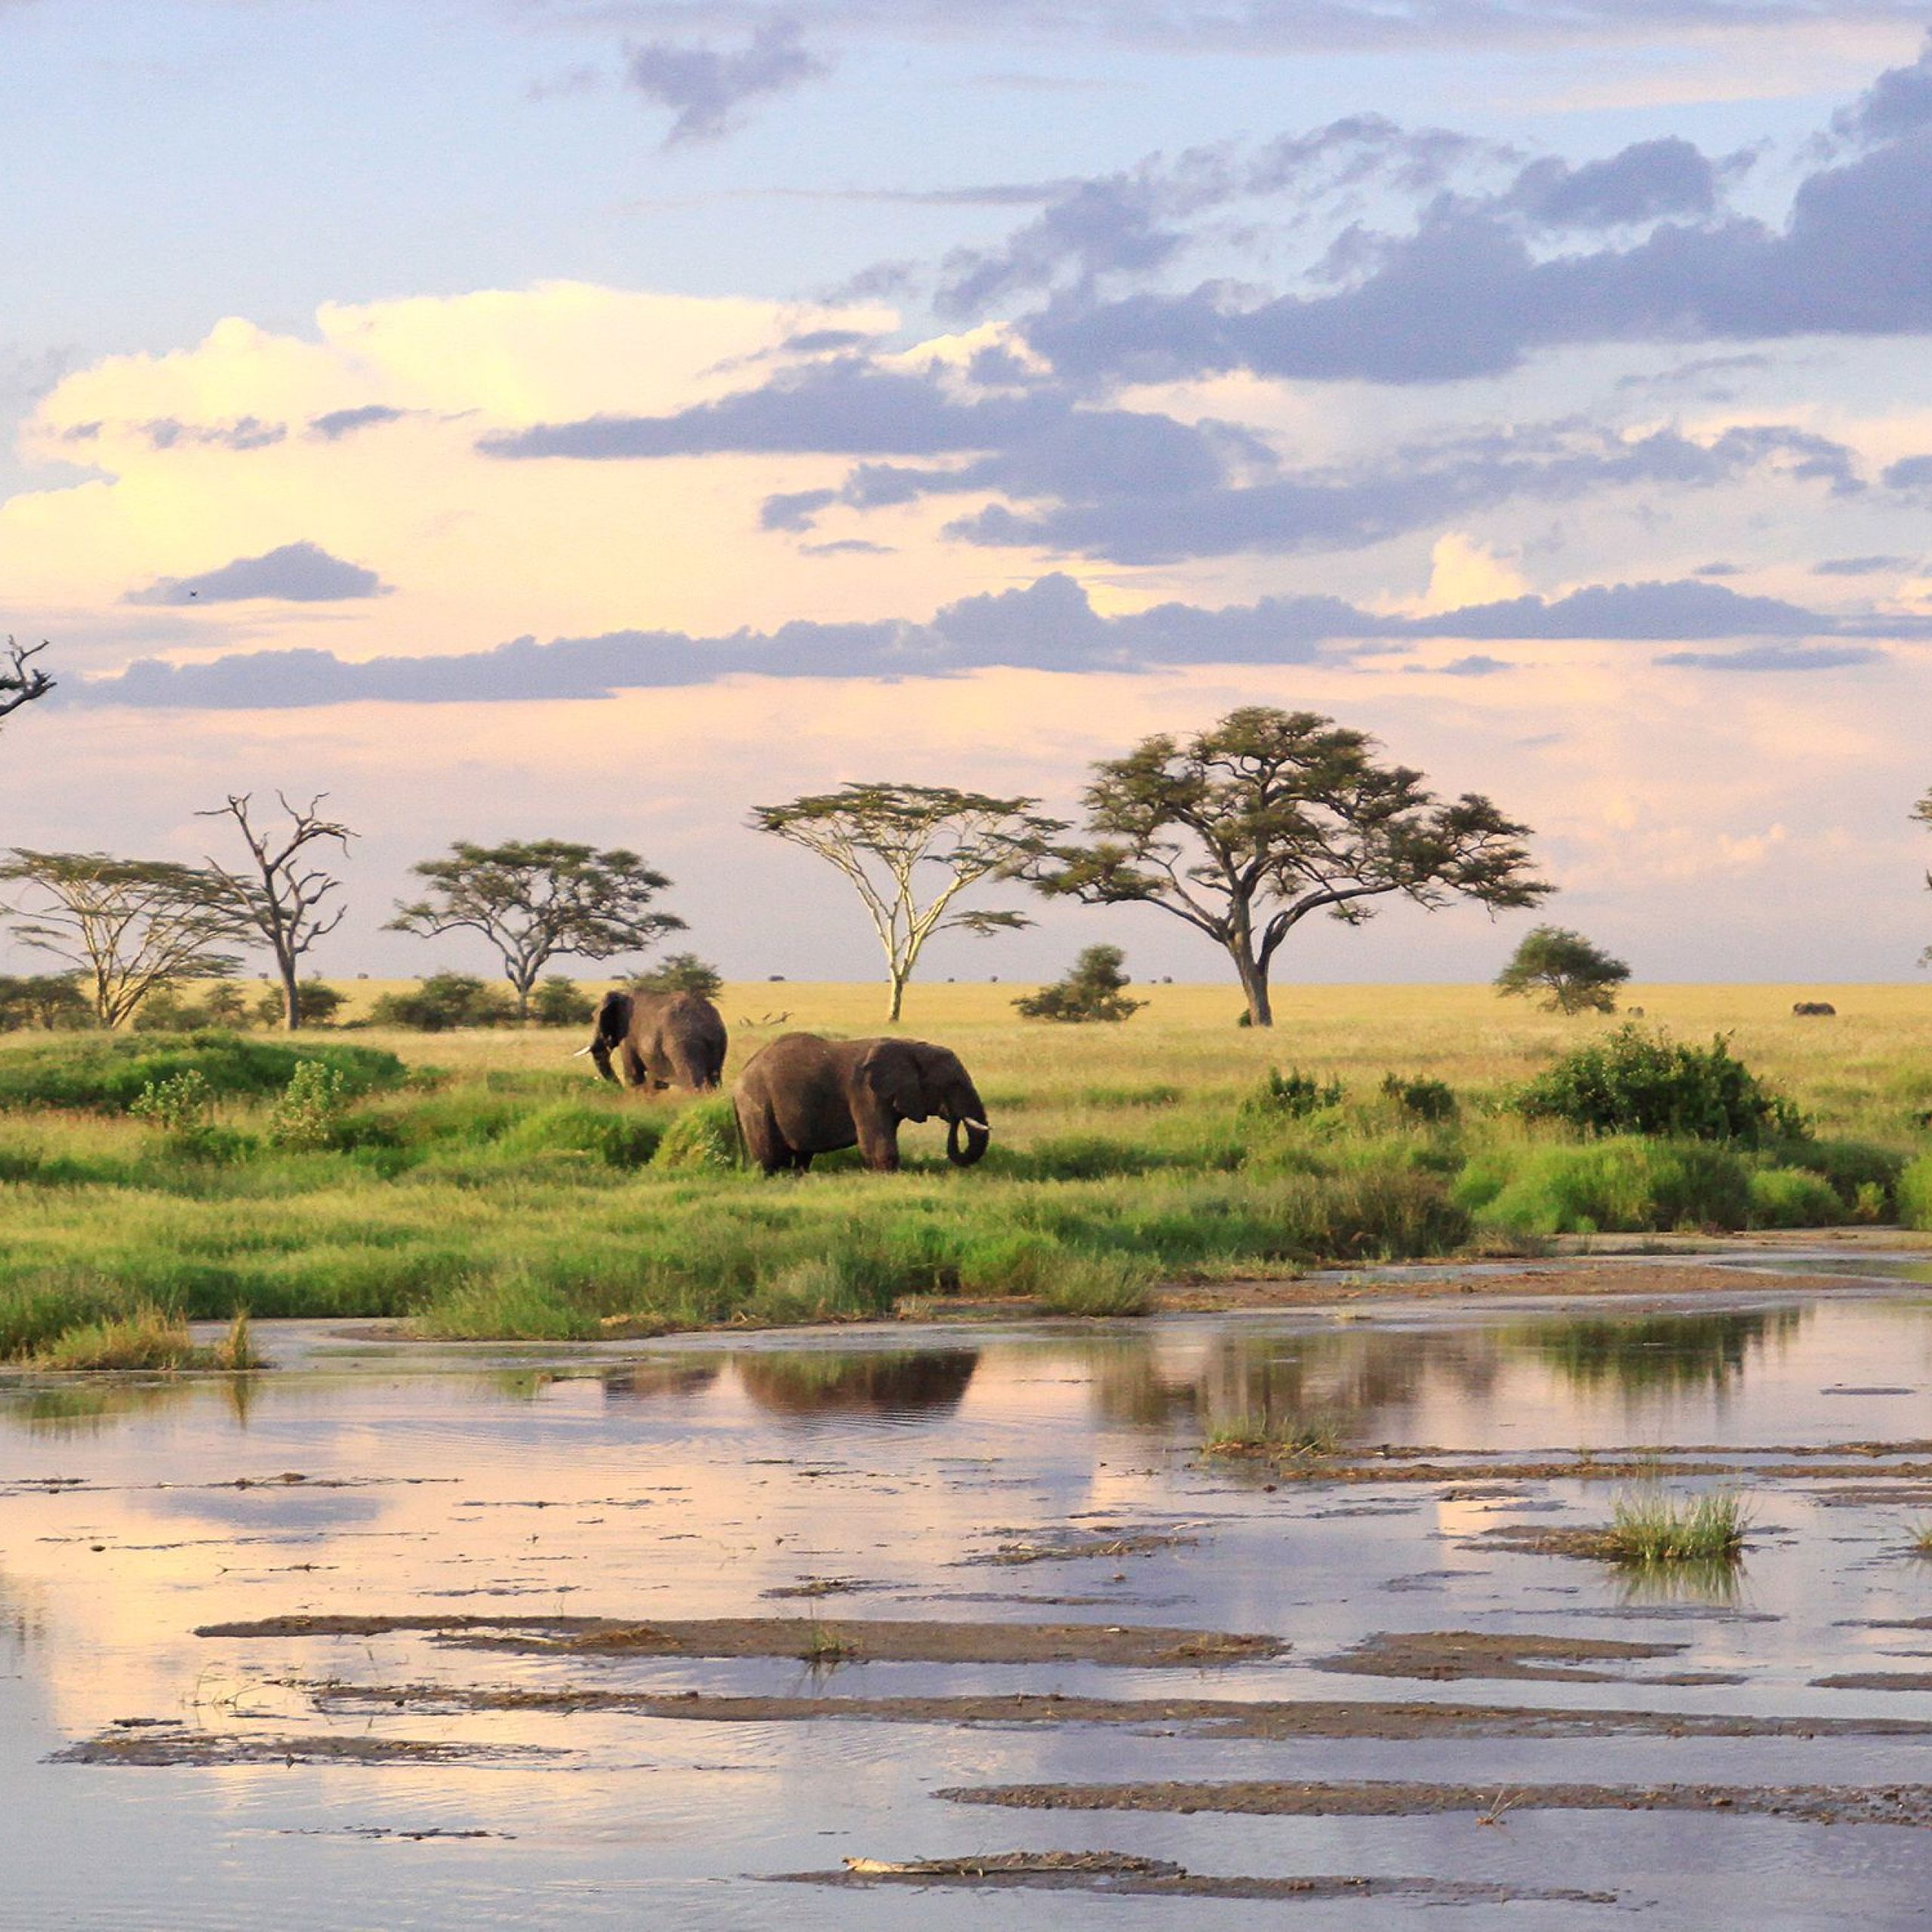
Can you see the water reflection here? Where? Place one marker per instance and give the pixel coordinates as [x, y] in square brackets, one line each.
[925, 1383]
[1639, 1354]
[81, 1407]
[1712, 1579]
[644, 1381]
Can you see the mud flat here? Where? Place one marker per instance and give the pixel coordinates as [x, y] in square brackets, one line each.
[1447, 1655]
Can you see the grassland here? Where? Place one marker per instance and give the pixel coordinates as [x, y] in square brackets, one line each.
[502, 1190]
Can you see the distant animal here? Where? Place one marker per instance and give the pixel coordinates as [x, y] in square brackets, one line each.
[1815, 1009]
[656, 1040]
[1634, 1012]
[804, 1095]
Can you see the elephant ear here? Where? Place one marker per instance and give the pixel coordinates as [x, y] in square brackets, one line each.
[892, 1073]
[613, 1016]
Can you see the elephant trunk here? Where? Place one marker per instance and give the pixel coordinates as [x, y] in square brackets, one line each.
[978, 1134]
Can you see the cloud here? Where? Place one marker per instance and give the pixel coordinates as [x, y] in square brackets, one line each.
[1910, 472]
[1644, 182]
[707, 86]
[1051, 624]
[339, 423]
[165, 432]
[1775, 657]
[1898, 103]
[295, 573]
[1862, 566]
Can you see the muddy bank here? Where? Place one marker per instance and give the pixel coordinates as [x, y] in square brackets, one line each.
[1121, 1875]
[166, 1745]
[1207, 1717]
[1378, 1466]
[1445, 1655]
[1908, 1805]
[813, 1639]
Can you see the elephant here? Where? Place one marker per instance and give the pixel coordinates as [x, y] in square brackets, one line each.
[804, 1095]
[1815, 1009]
[659, 1040]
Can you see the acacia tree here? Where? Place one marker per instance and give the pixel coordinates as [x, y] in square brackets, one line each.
[896, 843]
[1246, 830]
[128, 927]
[538, 900]
[21, 681]
[281, 898]
[1922, 811]
[1568, 973]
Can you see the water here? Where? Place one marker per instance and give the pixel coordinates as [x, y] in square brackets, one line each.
[688, 1479]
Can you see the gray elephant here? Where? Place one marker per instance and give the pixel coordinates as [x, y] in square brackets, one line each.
[803, 1095]
[659, 1040]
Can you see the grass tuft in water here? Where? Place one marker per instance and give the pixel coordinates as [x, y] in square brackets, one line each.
[1648, 1526]
[1258, 1435]
[1919, 1538]
[146, 1337]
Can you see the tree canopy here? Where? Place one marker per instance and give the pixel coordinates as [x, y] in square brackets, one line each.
[127, 927]
[1268, 816]
[1566, 973]
[909, 851]
[1093, 989]
[539, 899]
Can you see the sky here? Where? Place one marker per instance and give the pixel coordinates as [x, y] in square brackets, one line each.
[590, 419]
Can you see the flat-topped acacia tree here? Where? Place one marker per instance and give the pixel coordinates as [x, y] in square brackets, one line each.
[895, 842]
[539, 900]
[1248, 828]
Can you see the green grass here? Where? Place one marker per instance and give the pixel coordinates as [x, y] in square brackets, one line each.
[487, 1185]
[1649, 1526]
[146, 1337]
[1272, 1436]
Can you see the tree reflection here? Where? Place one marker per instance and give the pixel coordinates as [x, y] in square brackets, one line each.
[814, 1382]
[1640, 1355]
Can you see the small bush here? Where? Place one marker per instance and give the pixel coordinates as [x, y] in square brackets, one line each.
[1635, 1082]
[702, 1136]
[1790, 1198]
[682, 973]
[1094, 990]
[1289, 1096]
[50, 1001]
[1420, 1099]
[146, 1337]
[179, 1104]
[317, 1002]
[558, 1002]
[444, 1001]
[1624, 1186]
[309, 1115]
[1865, 1177]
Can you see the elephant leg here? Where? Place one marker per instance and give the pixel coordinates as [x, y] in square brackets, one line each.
[768, 1153]
[878, 1142]
[633, 1063]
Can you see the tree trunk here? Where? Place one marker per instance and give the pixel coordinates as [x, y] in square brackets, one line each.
[291, 998]
[1254, 983]
[898, 1001]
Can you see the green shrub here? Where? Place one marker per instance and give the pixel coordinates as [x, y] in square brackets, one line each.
[106, 1074]
[1098, 1285]
[618, 1137]
[1289, 1096]
[1915, 1192]
[1421, 1098]
[444, 1001]
[511, 1308]
[1790, 1198]
[702, 1136]
[1622, 1185]
[682, 973]
[178, 1104]
[317, 1002]
[309, 1115]
[1866, 1177]
[52, 1001]
[1635, 1082]
[1093, 989]
[558, 1002]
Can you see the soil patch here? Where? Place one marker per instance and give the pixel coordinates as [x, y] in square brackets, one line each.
[171, 1746]
[1448, 1655]
[1101, 1542]
[1818, 1805]
[815, 1640]
[1196, 1716]
[1875, 1680]
[1121, 1875]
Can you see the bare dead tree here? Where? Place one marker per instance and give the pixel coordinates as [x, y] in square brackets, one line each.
[282, 897]
[21, 682]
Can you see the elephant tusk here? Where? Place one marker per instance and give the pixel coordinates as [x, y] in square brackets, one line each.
[582, 1050]
[977, 1126]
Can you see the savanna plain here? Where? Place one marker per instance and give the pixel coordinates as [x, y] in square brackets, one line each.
[485, 1184]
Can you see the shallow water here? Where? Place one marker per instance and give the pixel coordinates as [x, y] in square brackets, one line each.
[687, 1479]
